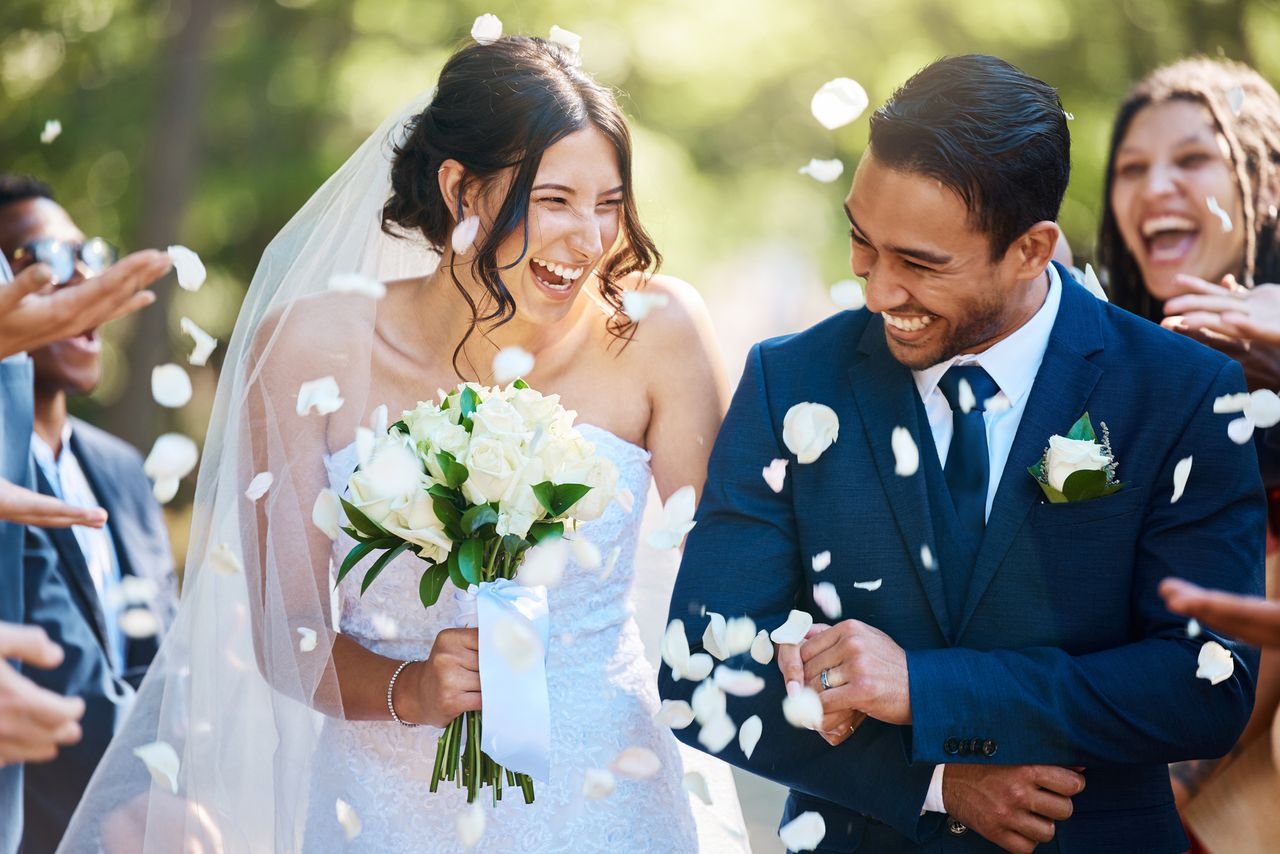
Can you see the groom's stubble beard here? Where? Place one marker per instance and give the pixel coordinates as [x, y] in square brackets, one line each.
[980, 321]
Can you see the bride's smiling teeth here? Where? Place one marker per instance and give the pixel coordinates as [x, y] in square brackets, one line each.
[908, 323]
[556, 275]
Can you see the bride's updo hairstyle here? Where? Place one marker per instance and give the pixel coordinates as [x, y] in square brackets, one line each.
[498, 107]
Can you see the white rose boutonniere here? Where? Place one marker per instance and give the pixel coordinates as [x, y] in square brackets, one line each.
[1077, 467]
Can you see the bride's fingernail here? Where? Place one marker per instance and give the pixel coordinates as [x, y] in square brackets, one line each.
[792, 687]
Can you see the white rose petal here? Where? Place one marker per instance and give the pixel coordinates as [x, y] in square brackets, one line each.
[696, 784]
[803, 709]
[998, 402]
[171, 458]
[162, 762]
[205, 343]
[1228, 403]
[1216, 663]
[1180, 474]
[1092, 285]
[138, 623]
[1193, 628]
[170, 386]
[487, 29]
[636, 763]
[638, 304]
[776, 475]
[823, 171]
[356, 283]
[700, 665]
[259, 485]
[1264, 408]
[626, 500]
[516, 643]
[598, 783]
[52, 130]
[821, 561]
[713, 636]
[347, 818]
[164, 489]
[324, 513]
[386, 627]
[849, 294]
[223, 560]
[365, 439]
[585, 553]
[738, 683]
[1235, 99]
[190, 268]
[906, 456]
[610, 561]
[135, 590]
[871, 586]
[739, 633]
[1240, 430]
[675, 649]
[749, 734]
[926, 557]
[708, 702]
[306, 639]
[677, 520]
[1223, 217]
[967, 399]
[805, 832]
[762, 648]
[674, 714]
[464, 235]
[544, 564]
[794, 629]
[838, 102]
[322, 395]
[826, 598]
[568, 39]
[470, 825]
[716, 734]
[808, 429]
[511, 363]
[1066, 456]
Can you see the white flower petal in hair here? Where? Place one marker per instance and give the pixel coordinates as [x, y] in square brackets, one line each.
[838, 102]
[487, 29]
[568, 39]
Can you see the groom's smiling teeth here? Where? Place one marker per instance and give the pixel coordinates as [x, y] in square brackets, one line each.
[907, 323]
[555, 275]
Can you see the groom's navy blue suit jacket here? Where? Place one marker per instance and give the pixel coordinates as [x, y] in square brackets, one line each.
[1063, 653]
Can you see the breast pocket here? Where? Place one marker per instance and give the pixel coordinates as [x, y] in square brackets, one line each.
[1123, 503]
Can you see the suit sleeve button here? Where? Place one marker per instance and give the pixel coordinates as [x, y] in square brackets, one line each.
[989, 747]
[955, 828]
[951, 746]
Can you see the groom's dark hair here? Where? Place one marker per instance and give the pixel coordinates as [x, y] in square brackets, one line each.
[990, 132]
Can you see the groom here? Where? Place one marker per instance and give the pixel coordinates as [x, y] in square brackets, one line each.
[1010, 676]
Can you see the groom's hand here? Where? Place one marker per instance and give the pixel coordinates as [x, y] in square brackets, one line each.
[836, 726]
[1014, 806]
[866, 672]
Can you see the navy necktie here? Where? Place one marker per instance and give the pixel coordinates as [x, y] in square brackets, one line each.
[968, 467]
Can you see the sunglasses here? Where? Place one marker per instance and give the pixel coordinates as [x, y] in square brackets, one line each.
[61, 256]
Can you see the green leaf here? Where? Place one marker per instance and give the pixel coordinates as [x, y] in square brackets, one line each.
[545, 492]
[354, 556]
[1083, 485]
[1082, 429]
[566, 495]
[431, 584]
[520, 384]
[439, 490]
[540, 531]
[399, 425]
[454, 472]
[361, 521]
[513, 545]
[467, 403]
[1054, 496]
[471, 561]
[455, 571]
[448, 516]
[477, 517]
[381, 564]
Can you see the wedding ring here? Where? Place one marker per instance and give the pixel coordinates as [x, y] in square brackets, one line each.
[825, 684]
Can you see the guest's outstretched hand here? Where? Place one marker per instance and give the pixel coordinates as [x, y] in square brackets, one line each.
[34, 722]
[1249, 314]
[31, 508]
[1252, 619]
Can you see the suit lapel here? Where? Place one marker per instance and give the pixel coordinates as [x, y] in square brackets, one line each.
[886, 397]
[89, 460]
[1057, 399]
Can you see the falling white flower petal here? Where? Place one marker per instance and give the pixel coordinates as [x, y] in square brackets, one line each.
[696, 784]
[870, 586]
[967, 399]
[598, 783]
[224, 561]
[823, 171]
[626, 500]
[708, 701]
[347, 818]
[487, 29]
[808, 429]
[674, 714]
[1180, 474]
[713, 636]
[1223, 216]
[700, 665]
[1193, 628]
[926, 557]
[1240, 430]
[638, 304]
[516, 643]
[998, 402]
[677, 520]
[52, 130]
[749, 734]
[1092, 285]
[675, 649]
[190, 268]
[544, 564]
[135, 590]
[1229, 403]
[637, 763]
[1264, 408]
[906, 456]
[1071, 117]
[356, 283]
[803, 709]
[1235, 99]
[716, 734]
[324, 513]
[776, 475]
[511, 363]
[259, 485]
[738, 683]
[849, 294]
[838, 102]
[762, 648]
[585, 553]
[470, 825]
[794, 629]
[739, 632]
[464, 235]
[322, 395]
[205, 343]
[568, 39]
[1216, 663]
[826, 598]
[385, 627]
[805, 832]
[162, 762]
[821, 561]
[170, 386]
[610, 561]
[138, 623]
[164, 489]
[171, 458]
[306, 639]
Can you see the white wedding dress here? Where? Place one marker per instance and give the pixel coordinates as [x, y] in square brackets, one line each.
[603, 695]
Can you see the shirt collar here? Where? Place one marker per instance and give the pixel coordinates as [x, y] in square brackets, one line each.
[43, 453]
[1011, 362]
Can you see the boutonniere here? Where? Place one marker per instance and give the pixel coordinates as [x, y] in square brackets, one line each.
[1077, 467]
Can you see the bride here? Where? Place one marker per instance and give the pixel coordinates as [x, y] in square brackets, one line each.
[281, 744]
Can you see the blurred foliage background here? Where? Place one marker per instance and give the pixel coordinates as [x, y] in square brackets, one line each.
[209, 122]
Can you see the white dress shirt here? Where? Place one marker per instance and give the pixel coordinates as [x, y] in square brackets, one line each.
[1013, 364]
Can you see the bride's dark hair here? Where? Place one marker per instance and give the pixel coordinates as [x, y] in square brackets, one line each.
[498, 107]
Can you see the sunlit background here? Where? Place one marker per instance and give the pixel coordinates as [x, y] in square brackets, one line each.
[209, 122]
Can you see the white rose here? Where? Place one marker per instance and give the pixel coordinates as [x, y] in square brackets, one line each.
[496, 417]
[1068, 456]
[543, 411]
[809, 429]
[392, 479]
[602, 476]
[520, 508]
[564, 457]
[494, 465]
[416, 521]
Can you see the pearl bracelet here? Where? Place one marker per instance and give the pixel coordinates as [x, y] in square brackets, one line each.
[391, 686]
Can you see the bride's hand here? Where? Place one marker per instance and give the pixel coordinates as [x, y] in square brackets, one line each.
[447, 683]
[792, 667]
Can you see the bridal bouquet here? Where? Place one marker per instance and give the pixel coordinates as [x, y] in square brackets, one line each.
[469, 485]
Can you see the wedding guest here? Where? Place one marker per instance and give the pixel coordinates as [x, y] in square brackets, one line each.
[1189, 229]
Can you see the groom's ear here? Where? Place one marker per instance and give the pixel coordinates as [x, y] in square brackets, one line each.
[1033, 250]
[455, 189]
